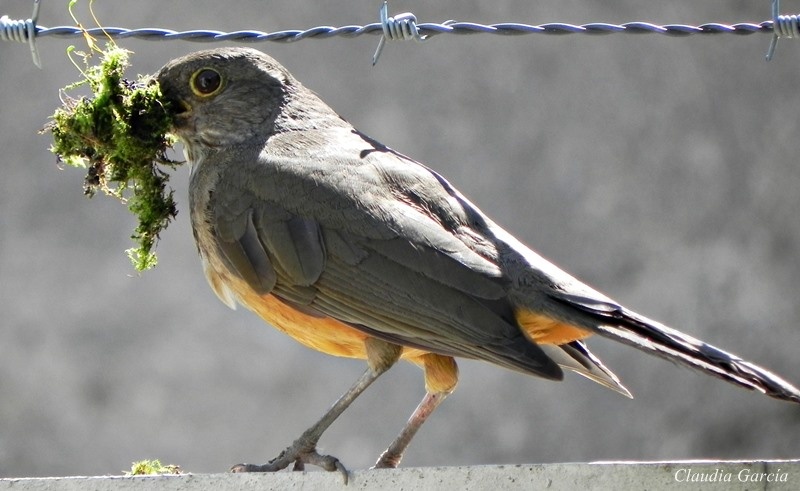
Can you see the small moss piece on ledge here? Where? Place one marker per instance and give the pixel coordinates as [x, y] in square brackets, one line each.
[120, 135]
[152, 467]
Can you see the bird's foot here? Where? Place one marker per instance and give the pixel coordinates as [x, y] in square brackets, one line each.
[299, 453]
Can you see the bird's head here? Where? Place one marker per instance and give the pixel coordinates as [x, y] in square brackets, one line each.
[224, 97]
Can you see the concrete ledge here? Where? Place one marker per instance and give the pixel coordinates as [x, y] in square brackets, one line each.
[744, 475]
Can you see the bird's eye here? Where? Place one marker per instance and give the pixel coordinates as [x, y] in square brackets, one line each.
[206, 82]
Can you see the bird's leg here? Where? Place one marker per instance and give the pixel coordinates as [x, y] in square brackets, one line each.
[304, 449]
[390, 458]
[441, 377]
[380, 356]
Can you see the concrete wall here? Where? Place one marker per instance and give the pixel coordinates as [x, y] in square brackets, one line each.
[729, 476]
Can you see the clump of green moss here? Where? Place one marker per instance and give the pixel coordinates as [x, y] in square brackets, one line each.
[152, 467]
[120, 136]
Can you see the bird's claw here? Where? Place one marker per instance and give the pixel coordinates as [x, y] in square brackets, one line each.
[300, 457]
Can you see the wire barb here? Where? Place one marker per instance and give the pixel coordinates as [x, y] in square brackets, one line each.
[783, 26]
[400, 27]
[22, 31]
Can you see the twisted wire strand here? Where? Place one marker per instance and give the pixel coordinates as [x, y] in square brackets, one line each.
[425, 29]
[401, 27]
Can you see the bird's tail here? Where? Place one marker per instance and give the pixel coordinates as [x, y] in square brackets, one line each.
[655, 338]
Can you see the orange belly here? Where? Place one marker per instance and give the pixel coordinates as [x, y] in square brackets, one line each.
[324, 334]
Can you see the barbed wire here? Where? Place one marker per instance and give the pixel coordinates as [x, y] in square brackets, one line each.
[401, 27]
[427, 29]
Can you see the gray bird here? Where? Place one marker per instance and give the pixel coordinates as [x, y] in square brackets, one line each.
[356, 250]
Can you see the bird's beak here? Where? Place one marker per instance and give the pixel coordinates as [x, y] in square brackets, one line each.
[186, 109]
[182, 110]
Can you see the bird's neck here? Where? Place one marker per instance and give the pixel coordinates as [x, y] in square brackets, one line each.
[303, 110]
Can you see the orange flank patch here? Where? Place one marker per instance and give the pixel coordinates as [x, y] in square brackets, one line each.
[318, 332]
[335, 338]
[546, 330]
[323, 334]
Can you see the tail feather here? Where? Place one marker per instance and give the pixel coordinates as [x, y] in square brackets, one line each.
[657, 339]
[577, 358]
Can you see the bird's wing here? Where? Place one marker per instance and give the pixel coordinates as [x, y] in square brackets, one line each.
[364, 235]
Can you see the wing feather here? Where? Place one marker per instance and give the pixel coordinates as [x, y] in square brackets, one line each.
[390, 250]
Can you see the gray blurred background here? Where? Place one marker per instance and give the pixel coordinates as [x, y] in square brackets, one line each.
[660, 170]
